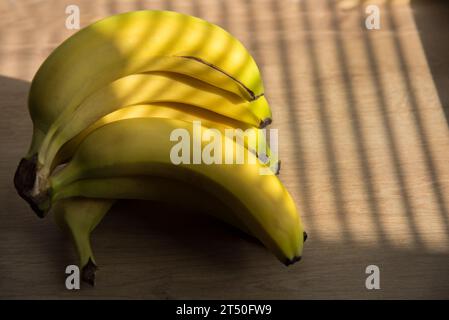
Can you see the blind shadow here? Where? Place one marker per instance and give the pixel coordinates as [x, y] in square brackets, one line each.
[157, 251]
[292, 103]
[388, 128]
[354, 108]
[419, 125]
[431, 18]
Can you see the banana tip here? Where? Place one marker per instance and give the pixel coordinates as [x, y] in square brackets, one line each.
[292, 261]
[88, 273]
[266, 122]
[277, 171]
[288, 262]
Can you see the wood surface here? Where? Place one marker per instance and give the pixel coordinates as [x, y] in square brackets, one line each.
[364, 144]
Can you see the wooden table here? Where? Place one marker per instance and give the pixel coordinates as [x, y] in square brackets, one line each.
[363, 138]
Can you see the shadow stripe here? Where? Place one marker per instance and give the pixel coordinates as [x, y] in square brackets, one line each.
[427, 152]
[388, 129]
[356, 124]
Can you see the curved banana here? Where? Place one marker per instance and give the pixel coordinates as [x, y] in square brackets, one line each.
[137, 42]
[143, 147]
[159, 87]
[156, 189]
[143, 88]
[253, 139]
[78, 217]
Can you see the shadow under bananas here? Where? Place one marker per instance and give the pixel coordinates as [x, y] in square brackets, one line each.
[165, 233]
[132, 230]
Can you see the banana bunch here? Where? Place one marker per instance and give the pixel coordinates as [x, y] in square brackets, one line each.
[105, 106]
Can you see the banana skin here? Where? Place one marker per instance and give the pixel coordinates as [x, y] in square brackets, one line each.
[253, 139]
[148, 88]
[78, 210]
[127, 44]
[121, 149]
[137, 42]
[127, 49]
[78, 217]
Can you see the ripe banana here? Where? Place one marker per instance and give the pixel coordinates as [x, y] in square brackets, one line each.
[153, 87]
[253, 139]
[137, 42]
[157, 189]
[108, 99]
[78, 217]
[135, 89]
[81, 205]
[142, 147]
[127, 44]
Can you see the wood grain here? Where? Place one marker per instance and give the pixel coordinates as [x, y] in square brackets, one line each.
[364, 143]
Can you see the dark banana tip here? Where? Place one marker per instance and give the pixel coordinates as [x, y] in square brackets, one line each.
[296, 259]
[292, 261]
[278, 168]
[265, 122]
[24, 179]
[88, 273]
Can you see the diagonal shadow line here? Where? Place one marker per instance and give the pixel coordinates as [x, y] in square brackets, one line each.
[388, 129]
[224, 21]
[430, 17]
[168, 5]
[328, 137]
[427, 152]
[251, 26]
[196, 9]
[139, 5]
[358, 134]
[295, 128]
[112, 8]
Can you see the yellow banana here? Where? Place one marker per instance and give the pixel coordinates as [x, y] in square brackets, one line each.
[142, 147]
[137, 89]
[78, 217]
[254, 139]
[137, 42]
[128, 44]
[156, 189]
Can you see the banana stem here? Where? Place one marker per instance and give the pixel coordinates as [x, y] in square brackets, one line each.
[36, 142]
